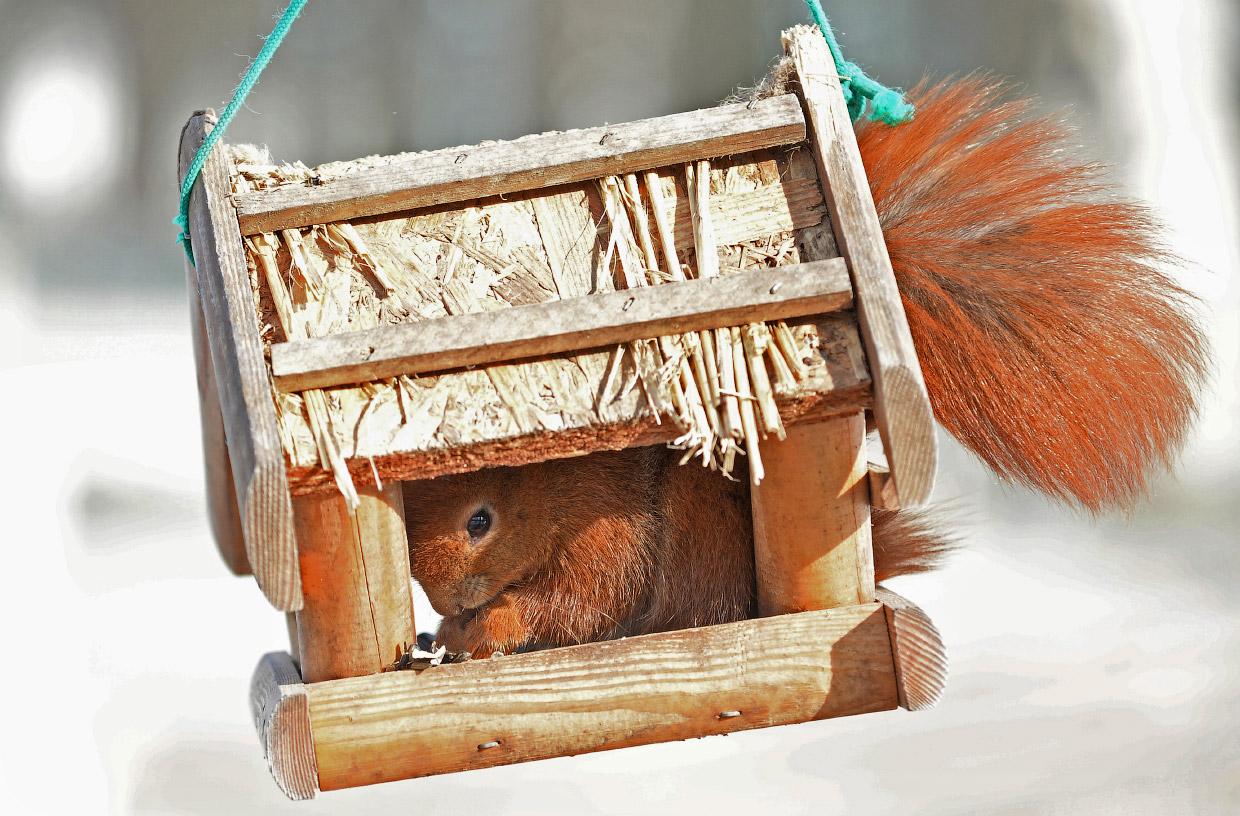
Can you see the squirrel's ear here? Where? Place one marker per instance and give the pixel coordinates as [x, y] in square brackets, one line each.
[1054, 343]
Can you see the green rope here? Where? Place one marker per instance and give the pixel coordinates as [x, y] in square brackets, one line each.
[887, 104]
[243, 90]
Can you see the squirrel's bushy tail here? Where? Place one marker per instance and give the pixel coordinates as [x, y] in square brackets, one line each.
[909, 542]
[1054, 344]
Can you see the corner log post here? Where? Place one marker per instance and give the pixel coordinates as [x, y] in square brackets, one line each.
[357, 616]
[811, 516]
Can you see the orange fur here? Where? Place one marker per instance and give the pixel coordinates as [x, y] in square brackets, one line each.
[601, 546]
[1053, 343]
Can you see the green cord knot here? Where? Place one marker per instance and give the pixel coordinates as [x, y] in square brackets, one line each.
[182, 223]
[886, 104]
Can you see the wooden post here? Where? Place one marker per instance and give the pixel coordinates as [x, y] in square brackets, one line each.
[358, 610]
[811, 518]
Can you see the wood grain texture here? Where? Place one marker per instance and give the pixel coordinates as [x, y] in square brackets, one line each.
[837, 382]
[281, 713]
[918, 651]
[600, 696]
[568, 235]
[794, 204]
[223, 514]
[358, 612]
[901, 405]
[539, 329]
[811, 519]
[242, 380]
[882, 488]
[532, 162]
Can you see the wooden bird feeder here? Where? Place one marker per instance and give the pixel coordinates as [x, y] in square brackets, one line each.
[405, 317]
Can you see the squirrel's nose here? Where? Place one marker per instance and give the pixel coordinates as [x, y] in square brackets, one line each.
[445, 606]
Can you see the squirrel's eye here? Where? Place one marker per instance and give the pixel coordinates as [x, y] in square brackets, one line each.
[479, 522]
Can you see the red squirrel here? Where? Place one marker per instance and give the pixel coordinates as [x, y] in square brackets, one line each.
[1053, 346]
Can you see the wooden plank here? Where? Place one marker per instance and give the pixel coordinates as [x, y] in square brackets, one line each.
[532, 162]
[654, 688]
[918, 651]
[811, 519]
[901, 405]
[571, 325]
[241, 376]
[281, 713]
[223, 514]
[358, 612]
[836, 382]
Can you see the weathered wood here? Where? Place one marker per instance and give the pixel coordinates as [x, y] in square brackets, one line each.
[599, 696]
[560, 326]
[918, 651]
[568, 235]
[533, 162]
[882, 488]
[901, 405]
[735, 217]
[242, 381]
[811, 517]
[281, 713]
[223, 515]
[836, 383]
[358, 613]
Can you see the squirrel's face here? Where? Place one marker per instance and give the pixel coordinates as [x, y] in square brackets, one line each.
[467, 540]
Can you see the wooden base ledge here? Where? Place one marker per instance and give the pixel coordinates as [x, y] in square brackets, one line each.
[671, 686]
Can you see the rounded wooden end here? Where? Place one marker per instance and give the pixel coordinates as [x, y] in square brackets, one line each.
[918, 652]
[281, 714]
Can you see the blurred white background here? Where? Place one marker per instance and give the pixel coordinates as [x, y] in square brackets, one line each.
[1094, 663]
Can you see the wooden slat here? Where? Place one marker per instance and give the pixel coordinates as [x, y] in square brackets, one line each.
[811, 519]
[223, 513]
[281, 713]
[533, 162]
[917, 648]
[901, 405]
[837, 383]
[561, 326]
[654, 688]
[241, 376]
[358, 611]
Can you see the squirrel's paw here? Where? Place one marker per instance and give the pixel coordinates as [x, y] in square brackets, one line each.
[497, 626]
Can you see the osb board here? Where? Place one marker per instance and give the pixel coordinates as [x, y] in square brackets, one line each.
[493, 253]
